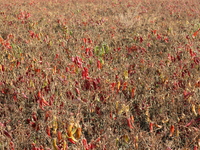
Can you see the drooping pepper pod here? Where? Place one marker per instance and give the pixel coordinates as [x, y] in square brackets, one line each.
[55, 146]
[64, 145]
[69, 129]
[171, 130]
[78, 133]
[54, 125]
[73, 132]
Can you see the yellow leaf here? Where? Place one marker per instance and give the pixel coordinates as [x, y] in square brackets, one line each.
[126, 138]
[126, 74]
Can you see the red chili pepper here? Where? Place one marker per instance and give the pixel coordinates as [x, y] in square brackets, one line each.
[171, 130]
[195, 33]
[33, 146]
[151, 127]
[71, 140]
[124, 86]
[97, 140]
[91, 146]
[34, 116]
[45, 102]
[77, 91]
[41, 147]
[12, 145]
[39, 94]
[84, 141]
[47, 115]
[7, 134]
[188, 124]
[133, 92]
[195, 147]
[15, 98]
[99, 65]
[129, 123]
[48, 131]
[59, 135]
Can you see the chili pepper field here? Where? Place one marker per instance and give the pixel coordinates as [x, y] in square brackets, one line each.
[99, 75]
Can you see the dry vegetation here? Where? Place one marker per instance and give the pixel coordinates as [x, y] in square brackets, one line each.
[101, 75]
